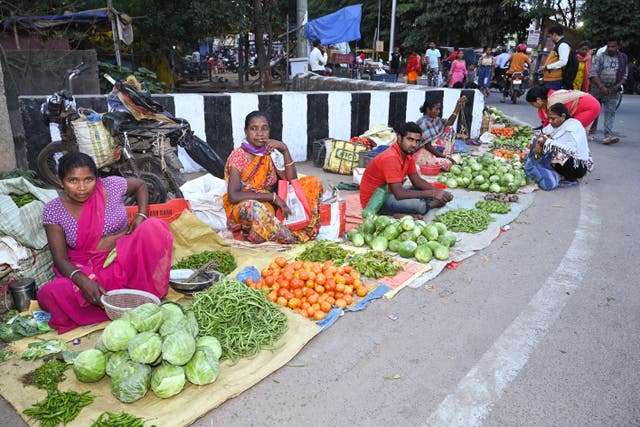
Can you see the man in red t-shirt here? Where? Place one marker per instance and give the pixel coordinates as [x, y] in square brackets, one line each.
[392, 167]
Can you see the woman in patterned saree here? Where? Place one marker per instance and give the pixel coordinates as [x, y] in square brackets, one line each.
[95, 249]
[252, 172]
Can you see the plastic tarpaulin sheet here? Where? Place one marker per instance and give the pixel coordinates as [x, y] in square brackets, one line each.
[340, 26]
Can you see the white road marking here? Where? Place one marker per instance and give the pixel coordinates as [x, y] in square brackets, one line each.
[486, 382]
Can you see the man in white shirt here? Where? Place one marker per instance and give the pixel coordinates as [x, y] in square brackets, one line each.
[432, 57]
[318, 58]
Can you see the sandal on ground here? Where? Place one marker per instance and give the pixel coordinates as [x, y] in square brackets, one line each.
[610, 140]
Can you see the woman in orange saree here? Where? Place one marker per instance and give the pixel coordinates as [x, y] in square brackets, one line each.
[252, 177]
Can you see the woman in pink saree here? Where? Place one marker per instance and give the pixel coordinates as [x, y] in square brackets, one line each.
[84, 226]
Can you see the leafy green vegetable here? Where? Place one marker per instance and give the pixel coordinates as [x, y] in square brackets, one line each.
[211, 344]
[36, 350]
[145, 347]
[203, 368]
[146, 317]
[224, 261]
[117, 334]
[178, 348]
[90, 366]
[48, 375]
[324, 250]
[167, 380]
[375, 264]
[114, 360]
[131, 381]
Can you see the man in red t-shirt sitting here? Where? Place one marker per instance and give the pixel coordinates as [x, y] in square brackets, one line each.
[392, 167]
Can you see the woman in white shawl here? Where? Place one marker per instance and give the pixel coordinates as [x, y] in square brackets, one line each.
[566, 139]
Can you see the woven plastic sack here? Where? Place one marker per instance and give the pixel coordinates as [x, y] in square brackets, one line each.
[343, 157]
[94, 139]
[24, 224]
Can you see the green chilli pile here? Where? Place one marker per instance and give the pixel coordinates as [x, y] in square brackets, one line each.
[465, 220]
[493, 206]
[225, 263]
[59, 407]
[110, 419]
[243, 319]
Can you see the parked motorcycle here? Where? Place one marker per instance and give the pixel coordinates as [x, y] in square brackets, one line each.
[146, 150]
[517, 85]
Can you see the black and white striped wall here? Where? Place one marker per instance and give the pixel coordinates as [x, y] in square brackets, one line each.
[297, 118]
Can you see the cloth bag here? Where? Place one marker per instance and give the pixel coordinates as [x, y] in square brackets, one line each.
[24, 223]
[541, 171]
[94, 139]
[343, 157]
[293, 194]
[205, 197]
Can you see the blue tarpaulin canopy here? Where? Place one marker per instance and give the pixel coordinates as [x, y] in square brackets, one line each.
[337, 27]
[48, 21]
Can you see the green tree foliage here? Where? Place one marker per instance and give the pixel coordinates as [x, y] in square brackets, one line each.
[604, 17]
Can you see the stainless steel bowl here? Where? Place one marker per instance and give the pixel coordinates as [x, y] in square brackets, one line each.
[177, 280]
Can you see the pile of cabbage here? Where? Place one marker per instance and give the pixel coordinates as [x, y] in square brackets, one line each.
[151, 346]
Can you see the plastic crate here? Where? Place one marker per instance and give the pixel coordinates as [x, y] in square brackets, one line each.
[391, 78]
[168, 212]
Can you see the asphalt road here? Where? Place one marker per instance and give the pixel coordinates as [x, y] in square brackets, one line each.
[538, 329]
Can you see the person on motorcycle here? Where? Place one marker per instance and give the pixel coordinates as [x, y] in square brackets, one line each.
[518, 61]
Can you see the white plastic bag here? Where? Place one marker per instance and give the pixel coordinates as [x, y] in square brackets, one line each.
[205, 197]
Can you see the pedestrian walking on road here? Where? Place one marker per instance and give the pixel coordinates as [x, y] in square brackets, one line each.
[458, 70]
[608, 72]
[485, 71]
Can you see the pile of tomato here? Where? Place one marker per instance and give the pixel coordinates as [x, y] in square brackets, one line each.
[309, 288]
[507, 132]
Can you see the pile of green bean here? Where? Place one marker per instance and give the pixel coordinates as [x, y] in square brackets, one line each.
[22, 199]
[224, 260]
[49, 374]
[375, 264]
[110, 419]
[465, 220]
[59, 407]
[325, 250]
[243, 319]
[493, 206]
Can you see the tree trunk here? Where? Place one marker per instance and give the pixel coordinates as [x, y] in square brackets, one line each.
[262, 25]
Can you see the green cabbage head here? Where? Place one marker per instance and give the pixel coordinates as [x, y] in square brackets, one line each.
[178, 348]
[145, 347]
[203, 368]
[131, 381]
[167, 380]
[146, 317]
[117, 334]
[90, 366]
